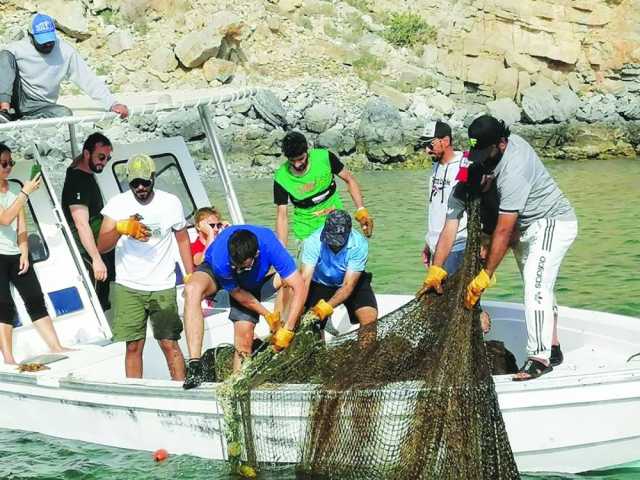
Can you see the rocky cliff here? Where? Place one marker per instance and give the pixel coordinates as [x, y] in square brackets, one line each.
[362, 76]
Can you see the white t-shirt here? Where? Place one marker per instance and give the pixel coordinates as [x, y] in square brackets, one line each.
[9, 233]
[147, 266]
[442, 181]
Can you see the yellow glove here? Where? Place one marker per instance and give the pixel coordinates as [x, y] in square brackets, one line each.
[273, 319]
[477, 286]
[365, 221]
[282, 338]
[186, 278]
[132, 227]
[433, 280]
[322, 309]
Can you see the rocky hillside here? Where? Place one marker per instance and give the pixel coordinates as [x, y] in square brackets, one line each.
[362, 76]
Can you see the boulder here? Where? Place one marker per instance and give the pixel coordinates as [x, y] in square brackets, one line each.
[219, 70]
[598, 108]
[269, 107]
[505, 109]
[195, 48]
[538, 104]
[507, 83]
[629, 107]
[181, 124]
[120, 41]
[321, 117]
[396, 97]
[380, 132]
[567, 103]
[441, 103]
[68, 15]
[163, 60]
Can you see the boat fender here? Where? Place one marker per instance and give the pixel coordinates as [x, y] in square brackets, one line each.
[160, 455]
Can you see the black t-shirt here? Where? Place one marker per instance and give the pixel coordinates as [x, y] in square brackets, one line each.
[81, 188]
[281, 196]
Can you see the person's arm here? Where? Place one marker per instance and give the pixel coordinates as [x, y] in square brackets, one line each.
[247, 300]
[345, 291]
[9, 214]
[184, 247]
[23, 244]
[297, 284]
[445, 242]
[500, 241]
[307, 274]
[80, 216]
[282, 223]
[108, 236]
[353, 187]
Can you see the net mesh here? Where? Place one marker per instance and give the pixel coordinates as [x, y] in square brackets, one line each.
[410, 396]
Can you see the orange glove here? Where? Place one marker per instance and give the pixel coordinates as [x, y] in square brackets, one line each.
[433, 280]
[322, 309]
[476, 288]
[273, 319]
[282, 338]
[132, 227]
[365, 221]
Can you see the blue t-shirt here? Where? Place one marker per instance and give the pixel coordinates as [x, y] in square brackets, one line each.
[330, 268]
[271, 253]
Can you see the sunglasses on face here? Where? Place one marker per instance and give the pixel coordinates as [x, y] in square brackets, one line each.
[216, 225]
[243, 268]
[104, 158]
[10, 163]
[139, 182]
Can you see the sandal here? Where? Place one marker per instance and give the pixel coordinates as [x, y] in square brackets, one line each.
[556, 357]
[534, 368]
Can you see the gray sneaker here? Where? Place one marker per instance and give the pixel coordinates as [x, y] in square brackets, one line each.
[5, 117]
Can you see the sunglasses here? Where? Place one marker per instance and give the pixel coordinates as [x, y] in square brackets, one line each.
[242, 268]
[139, 182]
[10, 163]
[216, 225]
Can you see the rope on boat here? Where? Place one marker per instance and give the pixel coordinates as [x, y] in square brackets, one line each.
[633, 356]
[144, 109]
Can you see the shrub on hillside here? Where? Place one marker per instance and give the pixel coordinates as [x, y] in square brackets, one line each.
[407, 29]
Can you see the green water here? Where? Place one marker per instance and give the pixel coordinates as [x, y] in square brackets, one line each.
[599, 273]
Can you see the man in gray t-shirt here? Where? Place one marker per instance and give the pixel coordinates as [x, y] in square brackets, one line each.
[530, 200]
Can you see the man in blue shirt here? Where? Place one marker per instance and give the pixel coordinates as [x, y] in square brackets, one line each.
[239, 261]
[333, 265]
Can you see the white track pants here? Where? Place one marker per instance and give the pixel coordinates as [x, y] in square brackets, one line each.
[539, 253]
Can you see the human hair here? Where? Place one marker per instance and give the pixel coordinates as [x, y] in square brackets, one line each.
[242, 245]
[93, 140]
[204, 212]
[4, 149]
[294, 144]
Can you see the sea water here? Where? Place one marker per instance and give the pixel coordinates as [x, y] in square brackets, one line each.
[600, 272]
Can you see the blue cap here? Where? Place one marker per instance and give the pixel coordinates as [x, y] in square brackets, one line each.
[43, 29]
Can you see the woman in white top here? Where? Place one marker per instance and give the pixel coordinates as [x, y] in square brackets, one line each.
[15, 267]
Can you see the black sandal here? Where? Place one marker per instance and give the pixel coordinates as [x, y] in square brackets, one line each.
[534, 368]
[556, 357]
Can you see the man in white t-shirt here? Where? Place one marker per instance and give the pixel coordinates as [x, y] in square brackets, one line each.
[142, 225]
[438, 142]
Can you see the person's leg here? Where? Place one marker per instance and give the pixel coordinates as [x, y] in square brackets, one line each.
[6, 343]
[167, 327]
[133, 358]
[8, 83]
[7, 309]
[38, 109]
[200, 285]
[243, 341]
[362, 307]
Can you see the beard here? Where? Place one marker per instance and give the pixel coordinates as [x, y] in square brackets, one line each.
[45, 49]
[95, 168]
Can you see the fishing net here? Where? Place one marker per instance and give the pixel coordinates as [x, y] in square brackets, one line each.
[409, 397]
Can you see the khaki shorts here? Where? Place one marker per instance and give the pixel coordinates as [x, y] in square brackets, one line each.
[132, 307]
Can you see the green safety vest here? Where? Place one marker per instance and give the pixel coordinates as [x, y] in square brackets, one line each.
[314, 195]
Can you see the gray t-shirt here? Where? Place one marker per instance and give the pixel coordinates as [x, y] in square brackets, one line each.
[525, 186]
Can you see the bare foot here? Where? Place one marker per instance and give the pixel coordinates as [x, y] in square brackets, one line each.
[63, 350]
[485, 322]
[12, 361]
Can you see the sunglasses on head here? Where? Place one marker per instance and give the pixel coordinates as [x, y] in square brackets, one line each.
[139, 182]
[9, 163]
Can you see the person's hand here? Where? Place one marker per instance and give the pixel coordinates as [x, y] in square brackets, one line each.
[322, 309]
[433, 280]
[99, 269]
[204, 227]
[273, 319]
[132, 227]
[31, 186]
[365, 221]
[23, 264]
[476, 288]
[282, 338]
[120, 109]
[426, 256]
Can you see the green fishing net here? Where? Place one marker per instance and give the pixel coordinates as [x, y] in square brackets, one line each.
[409, 397]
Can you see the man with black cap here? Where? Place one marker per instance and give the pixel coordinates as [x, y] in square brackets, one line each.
[438, 143]
[530, 201]
[32, 69]
[334, 258]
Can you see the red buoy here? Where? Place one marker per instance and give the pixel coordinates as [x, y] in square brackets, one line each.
[160, 455]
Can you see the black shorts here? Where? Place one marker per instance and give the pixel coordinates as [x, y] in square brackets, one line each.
[362, 296]
[27, 286]
[239, 312]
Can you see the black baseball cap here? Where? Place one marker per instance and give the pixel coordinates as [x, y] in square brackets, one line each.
[434, 130]
[485, 132]
[337, 229]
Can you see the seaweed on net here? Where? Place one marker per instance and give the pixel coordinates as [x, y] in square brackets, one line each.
[410, 396]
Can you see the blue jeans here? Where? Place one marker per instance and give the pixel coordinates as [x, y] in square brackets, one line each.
[453, 262]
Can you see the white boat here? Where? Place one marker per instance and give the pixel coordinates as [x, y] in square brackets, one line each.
[581, 416]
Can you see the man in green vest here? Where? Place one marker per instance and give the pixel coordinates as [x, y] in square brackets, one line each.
[307, 181]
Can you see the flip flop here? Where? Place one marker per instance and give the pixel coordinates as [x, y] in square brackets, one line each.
[556, 357]
[534, 368]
